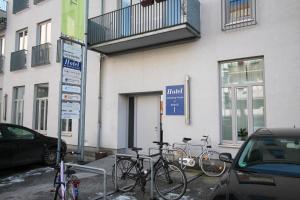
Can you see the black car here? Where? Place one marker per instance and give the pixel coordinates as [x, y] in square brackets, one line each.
[21, 146]
[267, 167]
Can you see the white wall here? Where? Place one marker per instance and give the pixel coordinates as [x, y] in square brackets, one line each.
[276, 37]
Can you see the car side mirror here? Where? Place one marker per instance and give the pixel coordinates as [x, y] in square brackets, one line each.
[226, 157]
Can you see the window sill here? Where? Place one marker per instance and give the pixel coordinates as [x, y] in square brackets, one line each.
[232, 146]
[239, 22]
[66, 134]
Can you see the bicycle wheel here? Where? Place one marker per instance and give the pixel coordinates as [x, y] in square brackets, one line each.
[170, 182]
[179, 155]
[126, 174]
[211, 165]
[72, 191]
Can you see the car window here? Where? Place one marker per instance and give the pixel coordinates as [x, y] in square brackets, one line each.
[265, 153]
[20, 133]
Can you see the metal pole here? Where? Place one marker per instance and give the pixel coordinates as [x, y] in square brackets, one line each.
[187, 101]
[59, 104]
[84, 72]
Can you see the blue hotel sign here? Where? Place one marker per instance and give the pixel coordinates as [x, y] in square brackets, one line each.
[175, 100]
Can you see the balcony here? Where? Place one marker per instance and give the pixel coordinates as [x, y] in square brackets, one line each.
[19, 5]
[40, 55]
[18, 60]
[3, 14]
[137, 26]
[1, 64]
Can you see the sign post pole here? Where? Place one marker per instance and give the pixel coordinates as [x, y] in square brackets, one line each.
[84, 72]
[59, 107]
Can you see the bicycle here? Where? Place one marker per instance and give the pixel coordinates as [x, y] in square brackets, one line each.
[65, 182]
[169, 180]
[209, 161]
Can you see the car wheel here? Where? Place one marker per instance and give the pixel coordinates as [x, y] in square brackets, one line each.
[50, 156]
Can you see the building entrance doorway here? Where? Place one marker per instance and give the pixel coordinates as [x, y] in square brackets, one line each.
[144, 121]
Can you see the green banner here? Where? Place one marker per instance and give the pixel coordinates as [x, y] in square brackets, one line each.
[72, 24]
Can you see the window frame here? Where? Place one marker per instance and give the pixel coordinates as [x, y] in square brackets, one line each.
[14, 110]
[25, 40]
[241, 21]
[2, 45]
[233, 87]
[66, 132]
[39, 32]
[46, 111]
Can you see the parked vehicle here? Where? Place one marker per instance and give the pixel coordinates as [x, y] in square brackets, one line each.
[21, 146]
[266, 167]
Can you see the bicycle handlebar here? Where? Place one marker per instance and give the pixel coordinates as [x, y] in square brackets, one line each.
[161, 143]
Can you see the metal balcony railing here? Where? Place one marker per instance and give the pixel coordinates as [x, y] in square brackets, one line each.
[1, 63]
[40, 55]
[238, 13]
[3, 14]
[19, 5]
[18, 60]
[137, 19]
[37, 1]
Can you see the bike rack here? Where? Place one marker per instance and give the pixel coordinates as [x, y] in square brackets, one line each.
[134, 157]
[93, 170]
[167, 150]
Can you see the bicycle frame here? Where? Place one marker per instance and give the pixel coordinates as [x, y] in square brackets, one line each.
[187, 148]
[62, 179]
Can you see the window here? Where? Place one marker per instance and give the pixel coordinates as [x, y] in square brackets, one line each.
[19, 133]
[126, 17]
[44, 31]
[0, 105]
[243, 102]
[41, 108]
[18, 105]
[2, 46]
[67, 126]
[22, 40]
[238, 13]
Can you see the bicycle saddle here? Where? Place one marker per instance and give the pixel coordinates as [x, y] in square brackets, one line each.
[186, 139]
[136, 149]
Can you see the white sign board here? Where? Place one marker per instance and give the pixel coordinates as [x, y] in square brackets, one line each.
[73, 81]
[71, 89]
[73, 52]
[71, 73]
[71, 107]
[71, 97]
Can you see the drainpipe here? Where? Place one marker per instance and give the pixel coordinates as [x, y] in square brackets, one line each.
[100, 93]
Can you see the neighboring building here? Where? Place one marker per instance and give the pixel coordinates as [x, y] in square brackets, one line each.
[240, 58]
[30, 71]
[243, 67]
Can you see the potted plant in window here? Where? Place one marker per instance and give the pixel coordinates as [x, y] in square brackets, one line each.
[145, 3]
[243, 134]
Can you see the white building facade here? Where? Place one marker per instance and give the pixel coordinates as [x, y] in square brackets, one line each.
[30, 75]
[241, 60]
[237, 61]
